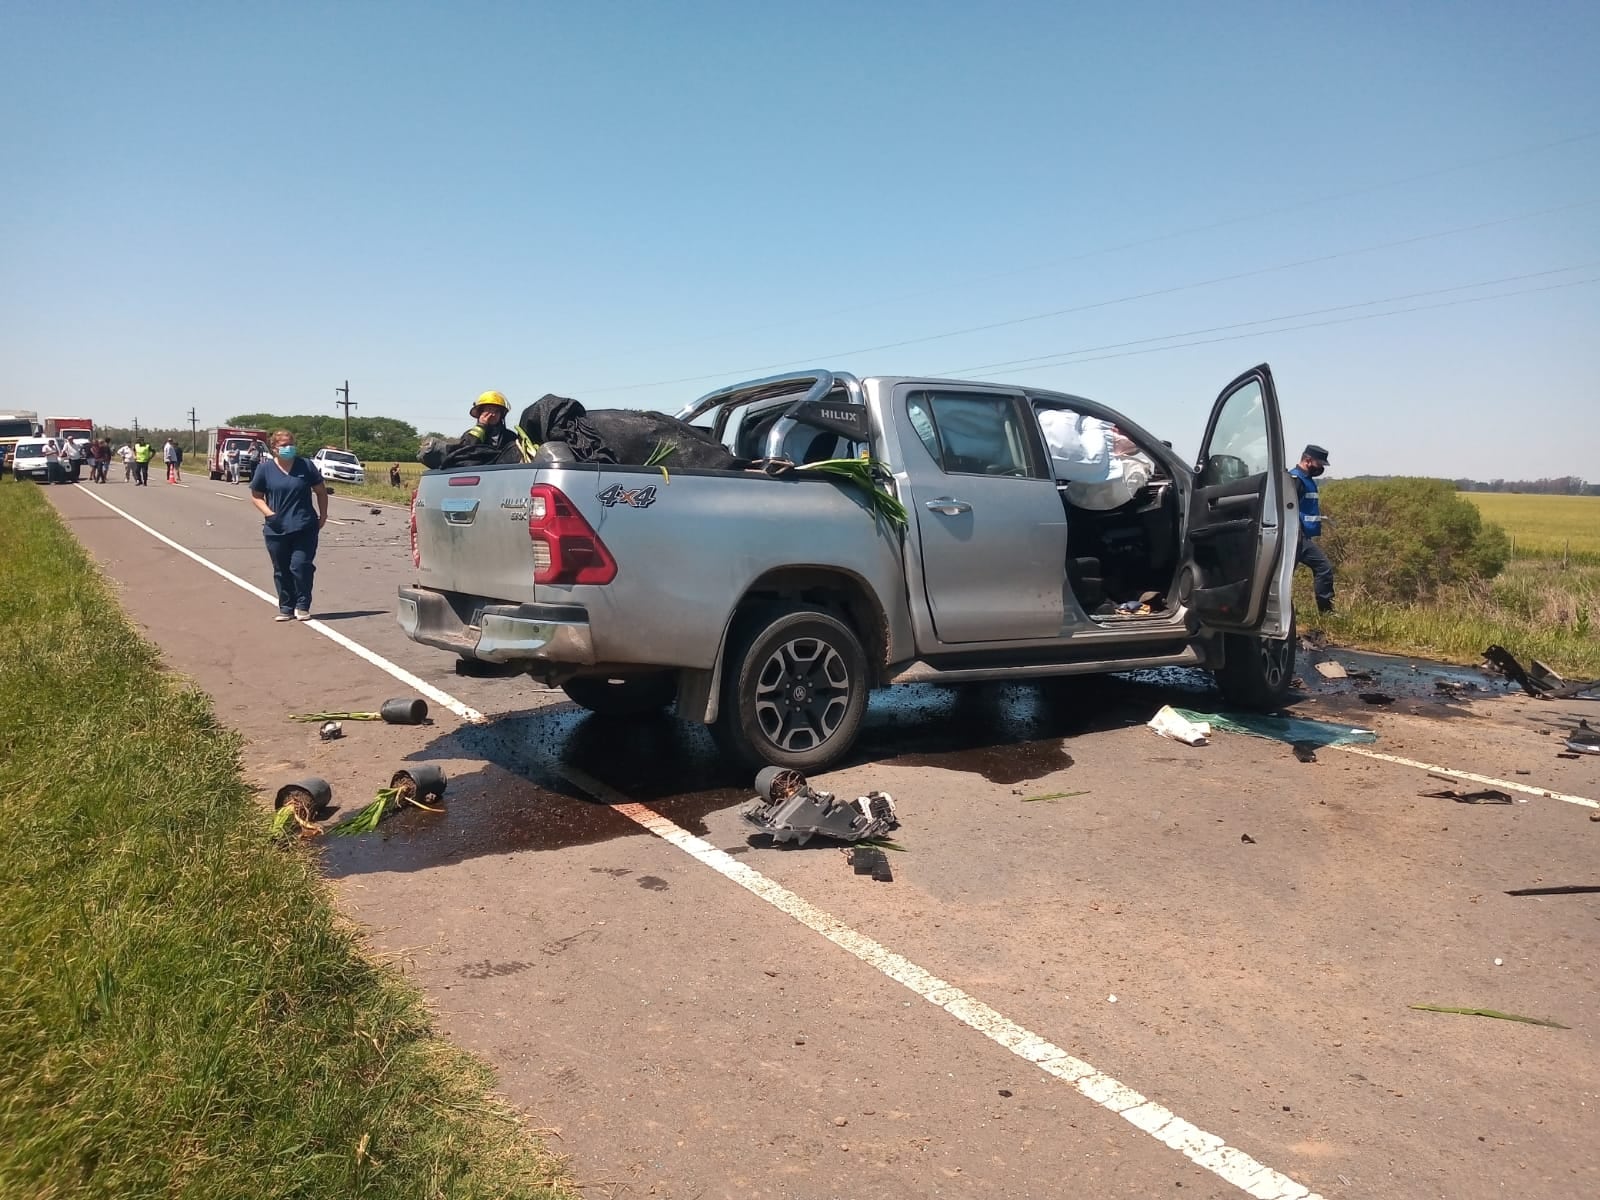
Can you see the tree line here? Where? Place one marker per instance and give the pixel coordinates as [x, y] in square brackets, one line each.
[372, 439]
[1564, 485]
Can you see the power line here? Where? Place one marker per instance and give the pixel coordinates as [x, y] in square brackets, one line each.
[1551, 287]
[1044, 360]
[747, 372]
[1153, 239]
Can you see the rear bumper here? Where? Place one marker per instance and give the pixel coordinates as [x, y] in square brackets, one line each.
[498, 633]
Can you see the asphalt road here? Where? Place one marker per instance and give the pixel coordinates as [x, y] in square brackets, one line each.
[1188, 975]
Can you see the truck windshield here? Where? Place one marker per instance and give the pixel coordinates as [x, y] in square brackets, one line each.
[11, 427]
[341, 456]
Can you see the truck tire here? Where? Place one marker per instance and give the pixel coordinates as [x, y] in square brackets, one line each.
[622, 697]
[794, 690]
[1257, 672]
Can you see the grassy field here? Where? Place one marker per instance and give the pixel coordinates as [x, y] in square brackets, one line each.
[1545, 526]
[378, 486]
[181, 1011]
[1536, 607]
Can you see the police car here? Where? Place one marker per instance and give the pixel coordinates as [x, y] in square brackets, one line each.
[339, 466]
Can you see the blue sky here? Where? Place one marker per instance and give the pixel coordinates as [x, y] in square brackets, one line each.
[240, 207]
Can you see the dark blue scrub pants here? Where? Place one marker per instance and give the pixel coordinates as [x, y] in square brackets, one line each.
[294, 566]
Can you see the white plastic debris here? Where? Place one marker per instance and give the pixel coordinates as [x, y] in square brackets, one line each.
[1169, 724]
[1499, 962]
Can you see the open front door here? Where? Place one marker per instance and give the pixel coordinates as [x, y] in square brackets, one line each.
[1238, 529]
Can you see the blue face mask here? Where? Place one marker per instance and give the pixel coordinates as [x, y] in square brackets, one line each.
[286, 453]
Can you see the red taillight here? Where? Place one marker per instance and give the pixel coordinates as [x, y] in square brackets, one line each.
[416, 550]
[566, 549]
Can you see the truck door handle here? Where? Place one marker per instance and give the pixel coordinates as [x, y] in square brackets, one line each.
[459, 512]
[1232, 501]
[948, 505]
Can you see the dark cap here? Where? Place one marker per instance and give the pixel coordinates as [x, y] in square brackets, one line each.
[1316, 452]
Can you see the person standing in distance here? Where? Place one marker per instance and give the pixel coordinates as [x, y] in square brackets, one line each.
[1313, 463]
[143, 452]
[289, 493]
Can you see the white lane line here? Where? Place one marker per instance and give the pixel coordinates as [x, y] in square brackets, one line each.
[1485, 779]
[404, 676]
[230, 496]
[1205, 1150]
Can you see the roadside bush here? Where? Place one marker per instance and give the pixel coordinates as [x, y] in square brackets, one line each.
[1401, 540]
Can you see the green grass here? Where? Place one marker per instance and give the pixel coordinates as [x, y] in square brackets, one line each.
[181, 1011]
[1545, 526]
[378, 487]
[1534, 608]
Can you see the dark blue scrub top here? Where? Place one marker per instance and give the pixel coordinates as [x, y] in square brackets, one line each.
[288, 494]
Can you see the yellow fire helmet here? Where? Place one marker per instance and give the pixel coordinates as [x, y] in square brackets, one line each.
[489, 400]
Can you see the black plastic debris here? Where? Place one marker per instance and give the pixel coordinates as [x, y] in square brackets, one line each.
[1537, 679]
[1584, 739]
[791, 810]
[1379, 698]
[1247, 839]
[1567, 754]
[869, 860]
[1306, 752]
[1483, 796]
[1581, 889]
[330, 730]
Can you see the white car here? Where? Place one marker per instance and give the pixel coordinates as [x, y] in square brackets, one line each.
[339, 465]
[37, 459]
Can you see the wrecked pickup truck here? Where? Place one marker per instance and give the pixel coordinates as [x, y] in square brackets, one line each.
[768, 605]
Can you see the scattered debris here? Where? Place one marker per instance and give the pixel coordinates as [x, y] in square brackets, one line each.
[1363, 676]
[1482, 796]
[330, 730]
[376, 512]
[405, 710]
[1584, 739]
[789, 809]
[1054, 796]
[1306, 752]
[1489, 1012]
[1537, 679]
[1247, 839]
[1580, 889]
[870, 860]
[1568, 754]
[1180, 726]
[1382, 698]
[415, 787]
[1331, 670]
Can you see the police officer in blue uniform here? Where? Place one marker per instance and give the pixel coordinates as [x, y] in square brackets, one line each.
[1313, 463]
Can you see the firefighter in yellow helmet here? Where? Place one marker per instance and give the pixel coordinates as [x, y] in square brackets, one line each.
[494, 428]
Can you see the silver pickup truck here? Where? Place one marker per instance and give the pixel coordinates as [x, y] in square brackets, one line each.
[769, 605]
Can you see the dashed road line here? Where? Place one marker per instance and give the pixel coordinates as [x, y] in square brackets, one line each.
[1205, 1150]
[1507, 784]
[404, 676]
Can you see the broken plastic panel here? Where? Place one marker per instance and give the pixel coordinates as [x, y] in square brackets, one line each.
[791, 810]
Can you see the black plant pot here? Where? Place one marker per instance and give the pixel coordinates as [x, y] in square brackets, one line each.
[405, 710]
[310, 795]
[425, 782]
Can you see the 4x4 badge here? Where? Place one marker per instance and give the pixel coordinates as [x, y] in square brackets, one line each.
[633, 497]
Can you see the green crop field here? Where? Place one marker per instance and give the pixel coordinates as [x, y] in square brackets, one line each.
[1544, 526]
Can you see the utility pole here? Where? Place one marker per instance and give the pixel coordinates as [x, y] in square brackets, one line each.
[347, 404]
[194, 443]
[136, 426]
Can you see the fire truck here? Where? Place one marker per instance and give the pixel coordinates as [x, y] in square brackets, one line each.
[226, 440]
